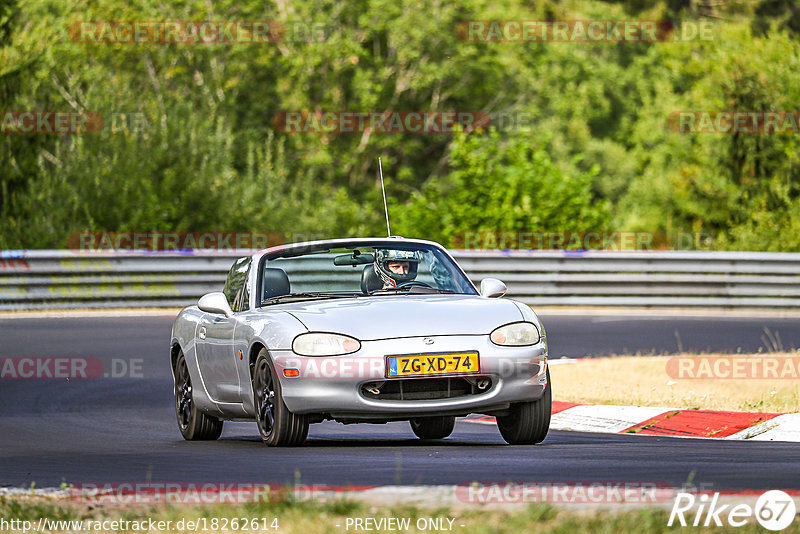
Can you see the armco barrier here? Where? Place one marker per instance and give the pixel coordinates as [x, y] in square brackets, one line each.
[44, 279]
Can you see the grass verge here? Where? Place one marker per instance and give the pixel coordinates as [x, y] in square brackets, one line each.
[644, 381]
[310, 517]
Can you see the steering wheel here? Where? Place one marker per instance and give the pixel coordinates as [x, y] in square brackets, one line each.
[414, 283]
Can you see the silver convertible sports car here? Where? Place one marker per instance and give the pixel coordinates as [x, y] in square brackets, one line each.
[366, 330]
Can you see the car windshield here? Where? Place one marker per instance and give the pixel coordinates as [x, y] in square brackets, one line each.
[360, 271]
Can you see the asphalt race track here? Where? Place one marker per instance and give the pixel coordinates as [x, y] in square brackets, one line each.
[109, 430]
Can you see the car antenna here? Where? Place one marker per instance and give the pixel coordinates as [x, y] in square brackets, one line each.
[385, 206]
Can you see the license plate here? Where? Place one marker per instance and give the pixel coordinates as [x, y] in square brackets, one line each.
[432, 364]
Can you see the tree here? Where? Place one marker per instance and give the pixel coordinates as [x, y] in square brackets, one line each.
[503, 185]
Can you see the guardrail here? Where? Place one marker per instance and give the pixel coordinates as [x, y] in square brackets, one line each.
[44, 279]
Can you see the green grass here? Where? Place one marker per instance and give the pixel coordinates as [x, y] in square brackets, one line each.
[311, 517]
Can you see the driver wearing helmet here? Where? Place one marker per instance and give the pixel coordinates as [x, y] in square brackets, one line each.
[396, 267]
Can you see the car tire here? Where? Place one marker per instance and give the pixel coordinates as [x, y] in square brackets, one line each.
[528, 422]
[278, 426]
[433, 427]
[193, 424]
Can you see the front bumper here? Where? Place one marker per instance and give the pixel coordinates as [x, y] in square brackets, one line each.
[333, 385]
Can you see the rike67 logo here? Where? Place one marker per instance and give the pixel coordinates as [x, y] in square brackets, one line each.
[774, 510]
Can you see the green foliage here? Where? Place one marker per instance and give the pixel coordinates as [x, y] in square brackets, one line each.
[739, 188]
[592, 153]
[498, 186]
[32, 510]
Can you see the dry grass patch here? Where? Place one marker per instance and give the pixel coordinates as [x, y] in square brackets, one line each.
[644, 381]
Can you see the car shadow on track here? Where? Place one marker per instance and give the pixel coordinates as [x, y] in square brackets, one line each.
[380, 441]
[334, 435]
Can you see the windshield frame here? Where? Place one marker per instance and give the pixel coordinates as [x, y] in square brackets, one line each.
[302, 249]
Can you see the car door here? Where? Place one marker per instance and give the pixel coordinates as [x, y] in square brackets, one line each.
[216, 340]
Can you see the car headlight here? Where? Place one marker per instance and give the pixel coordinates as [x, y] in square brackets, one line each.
[323, 344]
[516, 335]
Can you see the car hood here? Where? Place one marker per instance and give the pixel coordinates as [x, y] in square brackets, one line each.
[383, 317]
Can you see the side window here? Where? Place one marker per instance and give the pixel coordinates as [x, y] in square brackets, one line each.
[235, 283]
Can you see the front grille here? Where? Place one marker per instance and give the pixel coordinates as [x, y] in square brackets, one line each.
[425, 388]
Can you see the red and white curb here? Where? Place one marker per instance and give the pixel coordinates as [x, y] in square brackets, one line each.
[670, 422]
